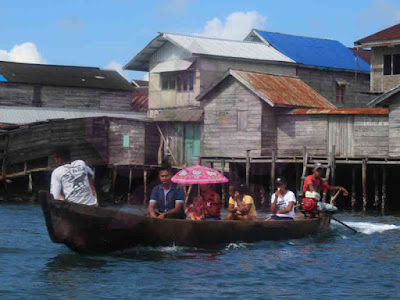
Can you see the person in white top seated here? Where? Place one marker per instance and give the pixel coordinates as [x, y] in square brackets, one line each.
[282, 201]
[71, 181]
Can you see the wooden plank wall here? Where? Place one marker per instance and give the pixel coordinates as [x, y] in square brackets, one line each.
[341, 134]
[97, 141]
[135, 153]
[16, 94]
[394, 128]
[66, 97]
[371, 136]
[269, 129]
[296, 131]
[174, 133]
[231, 104]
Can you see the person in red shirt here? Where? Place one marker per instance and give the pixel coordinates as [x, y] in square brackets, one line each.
[315, 183]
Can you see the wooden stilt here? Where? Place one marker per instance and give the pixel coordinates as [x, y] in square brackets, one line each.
[304, 173]
[145, 186]
[364, 183]
[129, 185]
[376, 181]
[298, 187]
[247, 168]
[223, 185]
[231, 173]
[114, 179]
[353, 188]
[30, 183]
[333, 168]
[383, 189]
[273, 161]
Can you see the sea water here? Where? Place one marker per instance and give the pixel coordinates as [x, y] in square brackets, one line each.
[336, 264]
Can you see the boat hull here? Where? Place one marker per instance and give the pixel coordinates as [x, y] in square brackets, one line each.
[89, 229]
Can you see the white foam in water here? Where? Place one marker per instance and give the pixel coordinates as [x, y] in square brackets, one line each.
[370, 228]
[236, 246]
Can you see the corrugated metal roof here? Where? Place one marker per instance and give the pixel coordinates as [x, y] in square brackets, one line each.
[140, 103]
[24, 115]
[342, 111]
[180, 115]
[207, 46]
[313, 51]
[83, 77]
[391, 33]
[277, 90]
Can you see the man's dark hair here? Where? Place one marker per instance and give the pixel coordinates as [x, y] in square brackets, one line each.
[62, 152]
[241, 188]
[165, 166]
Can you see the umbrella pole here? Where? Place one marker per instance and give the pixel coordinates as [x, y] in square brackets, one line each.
[188, 193]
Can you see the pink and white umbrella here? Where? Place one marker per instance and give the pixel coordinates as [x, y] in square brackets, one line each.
[198, 175]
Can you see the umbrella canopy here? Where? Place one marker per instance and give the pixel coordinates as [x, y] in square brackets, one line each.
[198, 175]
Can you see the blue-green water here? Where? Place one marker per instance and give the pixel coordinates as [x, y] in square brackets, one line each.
[337, 264]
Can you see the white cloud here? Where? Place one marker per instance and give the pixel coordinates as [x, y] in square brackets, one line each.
[113, 65]
[146, 77]
[236, 26]
[24, 53]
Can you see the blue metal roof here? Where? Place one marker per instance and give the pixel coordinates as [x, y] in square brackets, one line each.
[314, 51]
[2, 78]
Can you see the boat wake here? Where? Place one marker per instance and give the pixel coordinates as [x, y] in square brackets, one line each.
[236, 246]
[369, 228]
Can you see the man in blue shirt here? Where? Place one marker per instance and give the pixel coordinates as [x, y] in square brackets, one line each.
[168, 197]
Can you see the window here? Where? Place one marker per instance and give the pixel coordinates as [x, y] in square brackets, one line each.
[339, 94]
[182, 81]
[186, 81]
[168, 81]
[391, 64]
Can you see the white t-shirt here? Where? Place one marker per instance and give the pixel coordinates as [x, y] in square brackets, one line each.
[283, 203]
[72, 180]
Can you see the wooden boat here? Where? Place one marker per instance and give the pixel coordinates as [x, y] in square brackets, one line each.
[89, 229]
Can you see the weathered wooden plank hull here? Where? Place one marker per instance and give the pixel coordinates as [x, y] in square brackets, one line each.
[87, 229]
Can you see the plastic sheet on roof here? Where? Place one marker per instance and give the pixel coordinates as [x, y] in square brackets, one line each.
[315, 51]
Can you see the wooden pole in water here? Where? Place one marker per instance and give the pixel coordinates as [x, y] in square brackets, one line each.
[376, 200]
[383, 189]
[129, 185]
[364, 183]
[247, 168]
[273, 160]
[298, 187]
[145, 186]
[333, 167]
[114, 179]
[353, 188]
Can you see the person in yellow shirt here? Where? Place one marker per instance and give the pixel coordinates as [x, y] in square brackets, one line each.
[241, 206]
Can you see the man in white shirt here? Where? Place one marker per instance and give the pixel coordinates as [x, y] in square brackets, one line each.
[282, 201]
[71, 179]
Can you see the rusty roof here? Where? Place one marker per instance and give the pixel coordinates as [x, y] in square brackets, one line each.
[342, 111]
[277, 90]
[363, 53]
[391, 33]
[140, 99]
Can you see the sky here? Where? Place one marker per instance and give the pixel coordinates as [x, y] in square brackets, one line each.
[109, 33]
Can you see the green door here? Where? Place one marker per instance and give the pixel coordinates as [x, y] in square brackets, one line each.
[192, 143]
